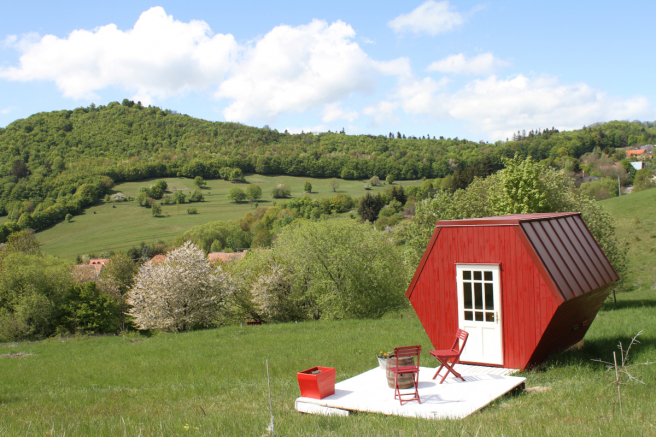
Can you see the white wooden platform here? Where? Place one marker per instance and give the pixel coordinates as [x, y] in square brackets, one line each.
[454, 399]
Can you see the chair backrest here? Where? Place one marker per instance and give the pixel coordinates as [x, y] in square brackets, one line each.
[461, 335]
[407, 351]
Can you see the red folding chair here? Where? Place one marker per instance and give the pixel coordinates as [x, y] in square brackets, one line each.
[404, 352]
[444, 356]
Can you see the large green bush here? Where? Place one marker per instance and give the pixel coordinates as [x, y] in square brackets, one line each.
[523, 187]
[33, 290]
[88, 310]
[331, 269]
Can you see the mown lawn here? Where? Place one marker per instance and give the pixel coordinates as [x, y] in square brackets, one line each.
[120, 226]
[635, 215]
[213, 382]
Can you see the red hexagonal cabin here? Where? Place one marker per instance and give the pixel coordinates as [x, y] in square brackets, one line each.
[522, 285]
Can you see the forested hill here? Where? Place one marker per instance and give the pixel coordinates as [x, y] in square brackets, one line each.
[58, 162]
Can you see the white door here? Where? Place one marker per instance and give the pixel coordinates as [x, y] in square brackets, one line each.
[479, 312]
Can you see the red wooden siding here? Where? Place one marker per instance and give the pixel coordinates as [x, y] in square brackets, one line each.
[527, 302]
[554, 278]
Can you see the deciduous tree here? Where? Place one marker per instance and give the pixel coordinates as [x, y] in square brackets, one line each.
[181, 293]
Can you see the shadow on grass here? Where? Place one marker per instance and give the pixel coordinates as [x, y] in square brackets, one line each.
[629, 304]
[598, 349]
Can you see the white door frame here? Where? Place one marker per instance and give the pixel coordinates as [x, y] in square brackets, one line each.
[482, 318]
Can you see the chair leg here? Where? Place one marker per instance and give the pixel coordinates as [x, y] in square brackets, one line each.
[397, 391]
[450, 369]
[438, 371]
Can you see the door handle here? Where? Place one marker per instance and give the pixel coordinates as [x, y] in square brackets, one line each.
[496, 317]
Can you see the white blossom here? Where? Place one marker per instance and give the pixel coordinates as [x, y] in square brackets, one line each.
[177, 294]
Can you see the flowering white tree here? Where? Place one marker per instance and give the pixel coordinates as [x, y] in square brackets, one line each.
[178, 294]
[271, 294]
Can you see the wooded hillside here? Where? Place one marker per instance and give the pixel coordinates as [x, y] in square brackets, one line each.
[56, 163]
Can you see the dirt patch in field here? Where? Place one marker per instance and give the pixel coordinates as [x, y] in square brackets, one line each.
[18, 355]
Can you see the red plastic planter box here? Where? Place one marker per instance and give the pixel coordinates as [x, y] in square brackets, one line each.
[317, 386]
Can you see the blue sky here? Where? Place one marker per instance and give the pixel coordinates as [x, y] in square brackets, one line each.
[467, 69]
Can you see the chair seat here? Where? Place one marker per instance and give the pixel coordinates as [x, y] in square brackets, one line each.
[453, 354]
[412, 353]
[404, 369]
[445, 353]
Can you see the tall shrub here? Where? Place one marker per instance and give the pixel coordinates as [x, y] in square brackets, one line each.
[181, 293]
[524, 186]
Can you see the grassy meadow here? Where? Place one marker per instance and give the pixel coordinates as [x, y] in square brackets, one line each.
[213, 382]
[635, 215]
[122, 225]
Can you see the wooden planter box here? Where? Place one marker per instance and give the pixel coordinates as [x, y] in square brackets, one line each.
[317, 386]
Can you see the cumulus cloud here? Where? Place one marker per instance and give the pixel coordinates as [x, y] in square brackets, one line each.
[423, 97]
[7, 110]
[299, 68]
[288, 69]
[483, 64]
[158, 57]
[430, 17]
[382, 113]
[334, 112]
[498, 107]
[307, 129]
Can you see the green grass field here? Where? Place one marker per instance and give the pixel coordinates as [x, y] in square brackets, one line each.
[214, 382]
[635, 215]
[120, 226]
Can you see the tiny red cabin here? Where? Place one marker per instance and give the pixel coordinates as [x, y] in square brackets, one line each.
[522, 285]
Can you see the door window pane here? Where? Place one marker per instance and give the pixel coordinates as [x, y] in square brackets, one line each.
[466, 274]
[489, 317]
[477, 276]
[488, 276]
[467, 294]
[478, 295]
[479, 316]
[489, 296]
[469, 315]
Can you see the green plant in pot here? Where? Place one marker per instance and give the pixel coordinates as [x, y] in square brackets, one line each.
[382, 358]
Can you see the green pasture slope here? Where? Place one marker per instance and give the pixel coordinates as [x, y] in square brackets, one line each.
[213, 382]
[120, 226]
[635, 215]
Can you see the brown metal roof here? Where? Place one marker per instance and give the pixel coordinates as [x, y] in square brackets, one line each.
[569, 253]
[513, 219]
[561, 244]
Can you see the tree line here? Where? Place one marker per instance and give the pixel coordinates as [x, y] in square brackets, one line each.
[47, 157]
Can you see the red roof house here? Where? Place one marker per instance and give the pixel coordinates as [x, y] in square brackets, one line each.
[522, 285]
[155, 260]
[98, 264]
[224, 257]
[636, 152]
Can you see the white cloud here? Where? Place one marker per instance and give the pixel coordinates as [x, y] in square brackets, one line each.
[422, 97]
[430, 17]
[498, 107]
[334, 112]
[299, 68]
[382, 113]
[483, 64]
[307, 129]
[7, 110]
[288, 69]
[158, 57]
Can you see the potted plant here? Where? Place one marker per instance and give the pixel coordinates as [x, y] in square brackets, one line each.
[386, 360]
[317, 382]
[382, 358]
